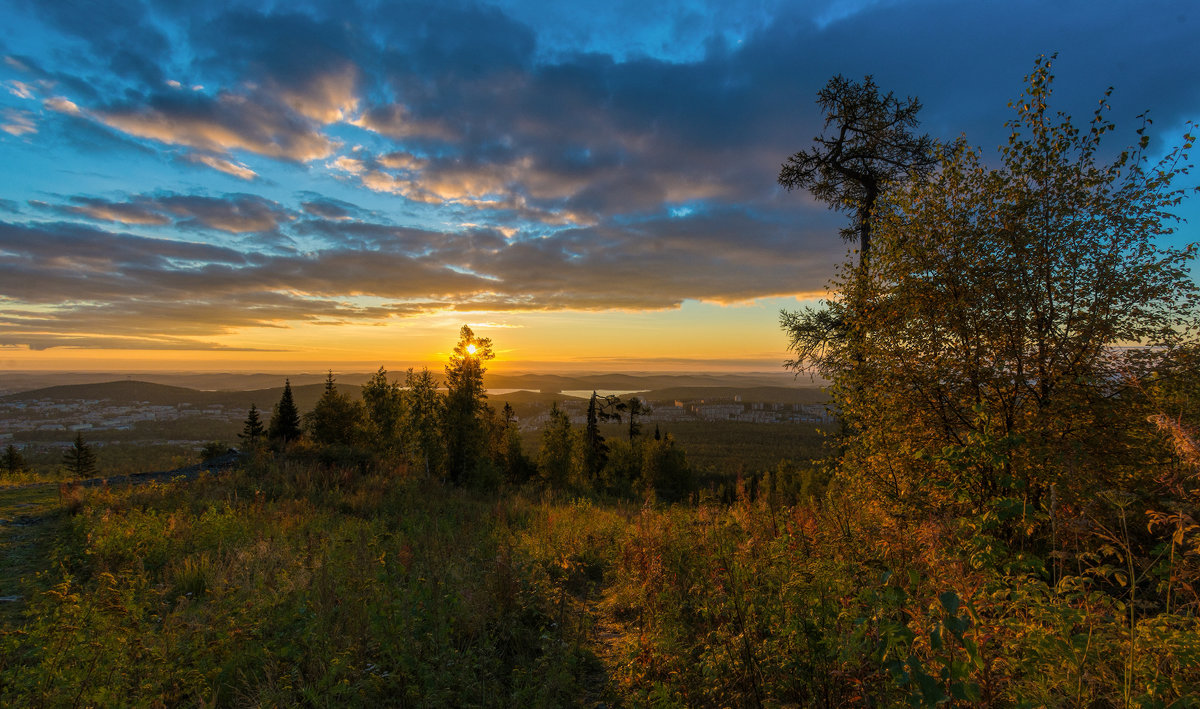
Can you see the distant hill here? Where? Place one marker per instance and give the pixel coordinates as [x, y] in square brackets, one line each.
[132, 391]
[122, 392]
[541, 391]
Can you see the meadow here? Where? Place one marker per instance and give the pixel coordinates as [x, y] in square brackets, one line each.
[291, 582]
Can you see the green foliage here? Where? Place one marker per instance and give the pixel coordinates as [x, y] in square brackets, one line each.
[987, 361]
[268, 587]
[336, 420]
[665, 471]
[557, 450]
[385, 407]
[422, 423]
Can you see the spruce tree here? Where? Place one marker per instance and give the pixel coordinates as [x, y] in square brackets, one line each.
[336, 420]
[285, 421]
[384, 408]
[252, 430]
[595, 451]
[80, 460]
[12, 462]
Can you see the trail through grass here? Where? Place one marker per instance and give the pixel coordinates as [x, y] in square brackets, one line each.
[30, 517]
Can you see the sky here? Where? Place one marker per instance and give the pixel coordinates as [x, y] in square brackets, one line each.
[592, 184]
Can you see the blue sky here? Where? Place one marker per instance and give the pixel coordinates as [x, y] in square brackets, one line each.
[242, 183]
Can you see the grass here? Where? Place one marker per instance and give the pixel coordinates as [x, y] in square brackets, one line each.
[289, 583]
[31, 518]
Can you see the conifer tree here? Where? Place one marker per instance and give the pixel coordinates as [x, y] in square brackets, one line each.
[253, 431]
[422, 422]
[12, 462]
[80, 460]
[595, 451]
[636, 408]
[384, 404]
[336, 420]
[285, 421]
[868, 148]
[464, 427]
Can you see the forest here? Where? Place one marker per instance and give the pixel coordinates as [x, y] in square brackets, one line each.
[1005, 514]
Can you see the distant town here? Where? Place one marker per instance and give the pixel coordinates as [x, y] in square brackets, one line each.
[140, 412]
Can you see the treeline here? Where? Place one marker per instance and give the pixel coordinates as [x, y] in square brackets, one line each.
[447, 430]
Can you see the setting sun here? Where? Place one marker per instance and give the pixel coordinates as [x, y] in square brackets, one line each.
[470, 349]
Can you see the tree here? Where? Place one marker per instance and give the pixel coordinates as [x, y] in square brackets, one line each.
[80, 459]
[335, 420]
[636, 408]
[595, 451]
[556, 452]
[665, 470]
[867, 147]
[212, 451]
[13, 462]
[1005, 310]
[285, 420]
[253, 431]
[465, 395]
[422, 422]
[517, 466]
[383, 401]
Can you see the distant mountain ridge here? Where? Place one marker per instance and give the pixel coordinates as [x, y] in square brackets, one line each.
[539, 389]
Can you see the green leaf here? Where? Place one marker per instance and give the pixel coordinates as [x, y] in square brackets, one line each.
[949, 601]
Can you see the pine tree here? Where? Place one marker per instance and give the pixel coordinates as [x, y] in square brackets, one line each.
[253, 431]
[12, 462]
[285, 421]
[79, 459]
[636, 408]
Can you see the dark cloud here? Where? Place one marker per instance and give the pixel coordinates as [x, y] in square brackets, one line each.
[330, 208]
[505, 163]
[220, 124]
[232, 213]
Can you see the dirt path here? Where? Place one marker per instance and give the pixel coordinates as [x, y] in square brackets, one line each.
[608, 639]
[31, 518]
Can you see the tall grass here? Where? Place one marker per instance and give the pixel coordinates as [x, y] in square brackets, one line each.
[290, 583]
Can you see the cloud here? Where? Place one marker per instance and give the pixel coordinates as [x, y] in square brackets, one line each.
[512, 159]
[62, 105]
[124, 213]
[228, 167]
[16, 122]
[20, 89]
[330, 208]
[221, 124]
[231, 213]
